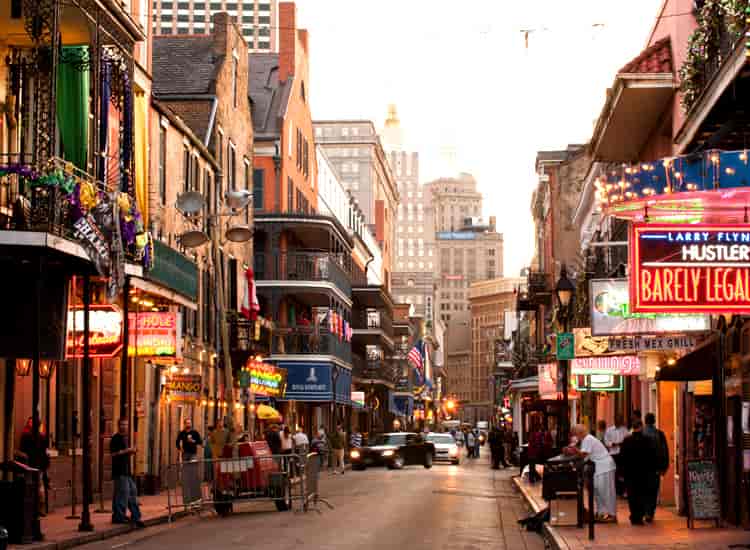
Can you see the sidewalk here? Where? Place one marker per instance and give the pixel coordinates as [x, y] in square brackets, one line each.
[668, 530]
[60, 532]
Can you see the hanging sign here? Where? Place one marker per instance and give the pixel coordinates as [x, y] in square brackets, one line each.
[105, 331]
[611, 313]
[264, 379]
[599, 382]
[690, 268]
[614, 364]
[185, 387]
[358, 399]
[548, 381]
[152, 334]
[587, 345]
[650, 343]
[565, 346]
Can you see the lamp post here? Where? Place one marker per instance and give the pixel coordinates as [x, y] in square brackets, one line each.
[191, 204]
[565, 291]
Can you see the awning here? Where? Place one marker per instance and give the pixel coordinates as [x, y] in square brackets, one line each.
[530, 383]
[163, 292]
[699, 364]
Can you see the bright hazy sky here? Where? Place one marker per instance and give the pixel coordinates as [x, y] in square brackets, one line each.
[461, 76]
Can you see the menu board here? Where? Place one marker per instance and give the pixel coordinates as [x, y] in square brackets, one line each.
[703, 490]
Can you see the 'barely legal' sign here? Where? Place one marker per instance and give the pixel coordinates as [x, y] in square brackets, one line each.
[690, 268]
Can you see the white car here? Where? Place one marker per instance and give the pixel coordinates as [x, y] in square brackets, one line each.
[446, 448]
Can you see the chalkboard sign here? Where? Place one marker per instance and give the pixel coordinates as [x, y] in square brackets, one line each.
[703, 490]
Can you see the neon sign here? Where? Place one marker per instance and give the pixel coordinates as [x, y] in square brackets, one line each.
[266, 379]
[152, 334]
[105, 332]
[185, 387]
[608, 364]
[694, 268]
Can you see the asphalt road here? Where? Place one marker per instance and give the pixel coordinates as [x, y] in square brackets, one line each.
[468, 506]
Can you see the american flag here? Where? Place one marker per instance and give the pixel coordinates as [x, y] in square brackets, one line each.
[416, 359]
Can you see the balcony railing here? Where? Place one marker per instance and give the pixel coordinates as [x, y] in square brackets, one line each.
[380, 369]
[372, 319]
[303, 266]
[305, 340]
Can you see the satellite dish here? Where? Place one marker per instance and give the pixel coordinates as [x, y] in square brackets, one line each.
[193, 238]
[238, 199]
[239, 233]
[190, 202]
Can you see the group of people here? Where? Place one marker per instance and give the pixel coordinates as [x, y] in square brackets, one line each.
[471, 439]
[638, 457]
[501, 442]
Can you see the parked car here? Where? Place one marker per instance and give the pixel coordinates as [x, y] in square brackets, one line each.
[394, 450]
[446, 447]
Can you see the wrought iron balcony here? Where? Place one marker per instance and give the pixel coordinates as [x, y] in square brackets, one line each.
[374, 369]
[303, 266]
[305, 340]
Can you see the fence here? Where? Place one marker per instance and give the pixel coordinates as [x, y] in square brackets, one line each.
[289, 481]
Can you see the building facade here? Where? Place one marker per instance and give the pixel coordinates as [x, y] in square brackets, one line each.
[257, 19]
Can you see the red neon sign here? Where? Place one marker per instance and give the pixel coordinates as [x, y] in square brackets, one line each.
[105, 331]
[690, 268]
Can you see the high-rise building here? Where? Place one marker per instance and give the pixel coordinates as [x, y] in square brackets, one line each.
[415, 257]
[257, 18]
[354, 149]
[454, 200]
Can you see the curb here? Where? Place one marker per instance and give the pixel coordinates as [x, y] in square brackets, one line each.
[550, 534]
[96, 536]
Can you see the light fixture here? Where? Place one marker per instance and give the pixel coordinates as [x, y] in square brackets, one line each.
[671, 361]
[193, 238]
[190, 202]
[239, 233]
[564, 289]
[173, 369]
[238, 199]
[23, 367]
[46, 368]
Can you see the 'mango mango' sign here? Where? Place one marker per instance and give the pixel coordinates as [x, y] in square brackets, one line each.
[690, 268]
[266, 379]
[185, 387]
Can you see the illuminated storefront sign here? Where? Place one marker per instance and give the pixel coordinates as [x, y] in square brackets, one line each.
[548, 381]
[613, 364]
[105, 331]
[651, 343]
[598, 382]
[611, 314]
[266, 379]
[358, 399]
[588, 346]
[690, 268]
[153, 335]
[185, 387]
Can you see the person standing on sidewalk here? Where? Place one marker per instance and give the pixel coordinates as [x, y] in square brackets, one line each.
[301, 442]
[124, 494]
[662, 465]
[604, 474]
[639, 462]
[337, 441]
[613, 438]
[497, 449]
[187, 443]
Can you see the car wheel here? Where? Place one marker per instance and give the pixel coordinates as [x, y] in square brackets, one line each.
[397, 463]
[428, 461]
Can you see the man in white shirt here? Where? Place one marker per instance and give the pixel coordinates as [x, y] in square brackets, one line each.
[604, 474]
[301, 442]
[613, 438]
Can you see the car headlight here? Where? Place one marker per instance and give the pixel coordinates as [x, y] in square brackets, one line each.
[388, 453]
[453, 451]
[354, 454]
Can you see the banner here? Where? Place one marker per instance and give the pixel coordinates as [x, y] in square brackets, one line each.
[185, 387]
[690, 268]
[152, 334]
[611, 313]
[625, 365]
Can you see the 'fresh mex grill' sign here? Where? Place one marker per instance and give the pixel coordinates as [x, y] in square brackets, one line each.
[696, 268]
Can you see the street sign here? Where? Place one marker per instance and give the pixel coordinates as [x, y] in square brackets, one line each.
[565, 346]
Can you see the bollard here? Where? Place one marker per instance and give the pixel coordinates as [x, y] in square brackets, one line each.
[3, 538]
[592, 516]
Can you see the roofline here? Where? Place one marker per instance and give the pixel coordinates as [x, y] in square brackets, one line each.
[179, 123]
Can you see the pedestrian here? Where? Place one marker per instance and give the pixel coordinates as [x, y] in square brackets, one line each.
[662, 465]
[539, 450]
[601, 428]
[635, 415]
[613, 438]
[287, 442]
[33, 452]
[355, 441]
[208, 472]
[497, 449]
[639, 461]
[188, 441]
[337, 441]
[470, 441]
[477, 443]
[124, 495]
[319, 445]
[273, 439]
[217, 440]
[301, 442]
[604, 474]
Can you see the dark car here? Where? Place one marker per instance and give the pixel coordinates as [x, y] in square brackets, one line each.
[394, 450]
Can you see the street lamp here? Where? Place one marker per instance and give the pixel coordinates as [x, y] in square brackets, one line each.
[565, 291]
[191, 205]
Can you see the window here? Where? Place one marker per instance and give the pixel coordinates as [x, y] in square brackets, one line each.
[215, 5]
[232, 168]
[166, 30]
[183, 18]
[289, 195]
[490, 251]
[166, 17]
[264, 45]
[262, 19]
[301, 90]
[163, 164]
[183, 30]
[246, 165]
[235, 78]
[199, 18]
[186, 169]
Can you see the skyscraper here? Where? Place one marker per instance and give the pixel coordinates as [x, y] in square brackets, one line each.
[258, 19]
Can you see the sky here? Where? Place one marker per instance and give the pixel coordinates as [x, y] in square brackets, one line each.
[463, 77]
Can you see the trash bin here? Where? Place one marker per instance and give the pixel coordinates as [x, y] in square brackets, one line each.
[19, 503]
[560, 476]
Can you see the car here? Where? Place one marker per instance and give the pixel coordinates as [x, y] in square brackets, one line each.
[394, 450]
[446, 448]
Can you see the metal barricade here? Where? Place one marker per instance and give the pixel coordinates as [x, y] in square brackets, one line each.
[286, 480]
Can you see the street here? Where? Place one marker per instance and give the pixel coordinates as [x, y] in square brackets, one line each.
[458, 507]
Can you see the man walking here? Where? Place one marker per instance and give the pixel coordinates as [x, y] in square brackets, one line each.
[337, 442]
[661, 448]
[639, 463]
[187, 443]
[497, 450]
[124, 494]
[613, 438]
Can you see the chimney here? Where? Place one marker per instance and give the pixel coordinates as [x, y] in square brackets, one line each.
[221, 24]
[287, 39]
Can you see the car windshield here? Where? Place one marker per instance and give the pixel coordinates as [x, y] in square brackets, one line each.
[388, 439]
[445, 439]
